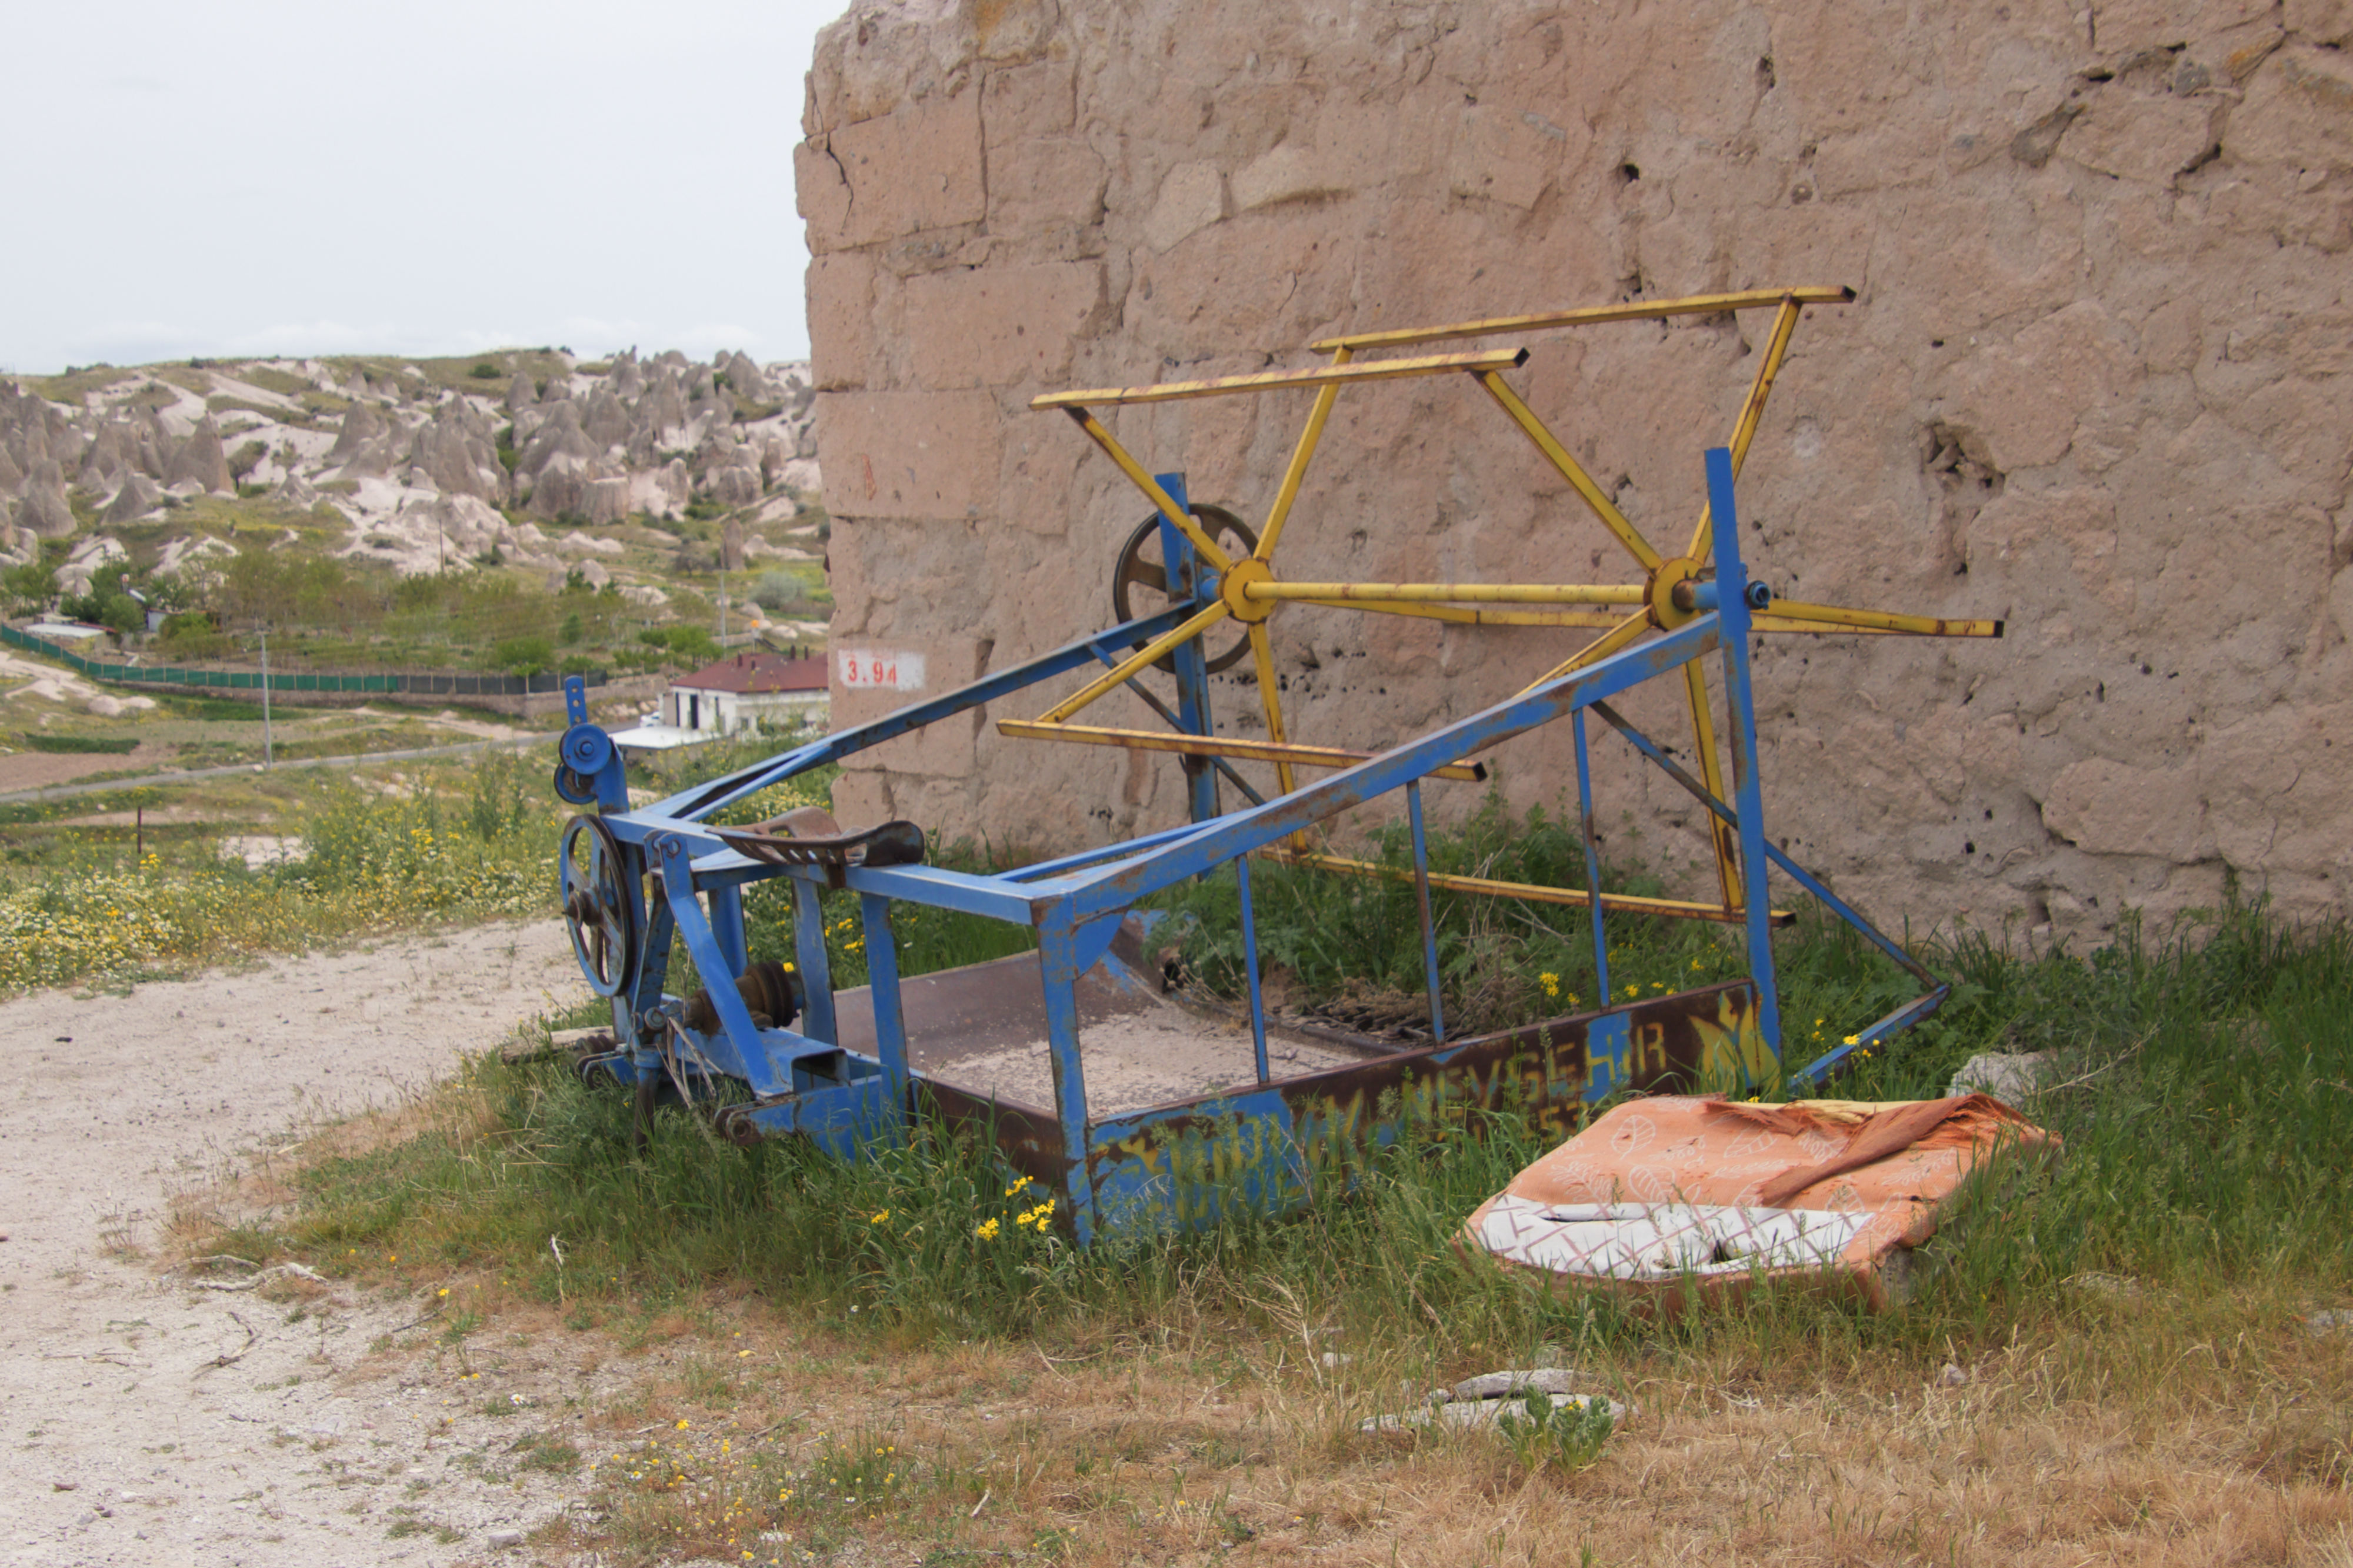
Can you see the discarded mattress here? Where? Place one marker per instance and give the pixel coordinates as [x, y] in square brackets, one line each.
[1674, 1200]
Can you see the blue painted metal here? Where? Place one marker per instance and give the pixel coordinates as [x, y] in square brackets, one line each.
[1250, 963]
[1116, 886]
[1189, 585]
[1098, 855]
[1241, 1153]
[590, 755]
[1903, 1018]
[701, 802]
[1704, 594]
[1592, 855]
[1779, 858]
[1431, 977]
[727, 924]
[816, 963]
[736, 1049]
[843, 1120]
[882, 977]
[1059, 972]
[1748, 801]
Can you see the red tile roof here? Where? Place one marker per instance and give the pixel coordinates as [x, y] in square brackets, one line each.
[751, 673]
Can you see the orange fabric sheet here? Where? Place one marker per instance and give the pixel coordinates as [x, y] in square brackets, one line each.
[1711, 1195]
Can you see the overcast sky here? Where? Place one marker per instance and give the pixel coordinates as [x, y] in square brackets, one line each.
[248, 177]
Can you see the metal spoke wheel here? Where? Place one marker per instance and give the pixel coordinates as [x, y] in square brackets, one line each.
[577, 787]
[600, 905]
[1140, 566]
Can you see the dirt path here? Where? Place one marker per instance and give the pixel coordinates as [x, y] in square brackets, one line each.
[24, 774]
[363, 759]
[129, 1443]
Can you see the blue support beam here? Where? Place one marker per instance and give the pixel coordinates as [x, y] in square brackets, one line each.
[1190, 586]
[1250, 962]
[701, 801]
[735, 1049]
[882, 986]
[1592, 857]
[1432, 980]
[816, 963]
[1740, 703]
[1059, 970]
[1237, 833]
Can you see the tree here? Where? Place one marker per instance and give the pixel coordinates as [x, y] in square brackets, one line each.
[29, 588]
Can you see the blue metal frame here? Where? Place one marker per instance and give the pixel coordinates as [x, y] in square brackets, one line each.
[1192, 588]
[1268, 1138]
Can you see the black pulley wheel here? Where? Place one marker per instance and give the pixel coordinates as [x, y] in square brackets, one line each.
[575, 787]
[1140, 566]
[600, 905]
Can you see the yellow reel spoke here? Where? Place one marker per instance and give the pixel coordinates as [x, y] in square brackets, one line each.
[1752, 413]
[1166, 504]
[1136, 663]
[1568, 468]
[1300, 455]
[1710, 773]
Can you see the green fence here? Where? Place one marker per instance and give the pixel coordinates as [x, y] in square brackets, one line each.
[422, 684]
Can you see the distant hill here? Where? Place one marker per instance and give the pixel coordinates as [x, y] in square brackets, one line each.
[617, 470]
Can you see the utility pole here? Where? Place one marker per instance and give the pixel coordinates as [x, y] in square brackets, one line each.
[723, 599]
[269, 755]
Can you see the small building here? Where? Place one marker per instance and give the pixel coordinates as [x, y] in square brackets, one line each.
[778, 691]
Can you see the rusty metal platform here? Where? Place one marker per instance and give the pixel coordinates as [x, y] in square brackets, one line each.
[983, 1031]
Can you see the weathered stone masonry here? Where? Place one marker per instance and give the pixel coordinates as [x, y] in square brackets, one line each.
[2095, 383]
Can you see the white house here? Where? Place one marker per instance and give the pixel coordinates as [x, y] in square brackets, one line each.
[775, 689]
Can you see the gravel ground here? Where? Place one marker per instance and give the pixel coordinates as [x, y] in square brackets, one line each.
[154, 1421]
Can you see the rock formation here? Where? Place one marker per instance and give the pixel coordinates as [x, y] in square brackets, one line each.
[139, 496]
[454, 453]
[2090, 384]
[361, 424]
[419, 472]
[202, 461]
[41, 504]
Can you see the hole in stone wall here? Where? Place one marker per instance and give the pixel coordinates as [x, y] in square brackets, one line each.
[1966, 481]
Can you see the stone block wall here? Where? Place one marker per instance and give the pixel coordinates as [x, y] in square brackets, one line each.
[2094, 383]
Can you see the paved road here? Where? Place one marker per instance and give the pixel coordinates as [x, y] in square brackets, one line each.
[104, 786]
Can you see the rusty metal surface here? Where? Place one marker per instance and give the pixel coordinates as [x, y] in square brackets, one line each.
[988, 1009]
[1262, 1149]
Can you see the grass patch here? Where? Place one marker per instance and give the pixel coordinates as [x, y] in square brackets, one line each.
[269, 378]
[1349, 948]
[922, 1359]
[77, 745]
[75, 385]
[2207, 1145]
[466, 842]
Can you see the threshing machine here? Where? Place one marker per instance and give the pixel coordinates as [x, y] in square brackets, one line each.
[1200, 1121]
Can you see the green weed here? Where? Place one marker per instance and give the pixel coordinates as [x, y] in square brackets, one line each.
[1540, 1433]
